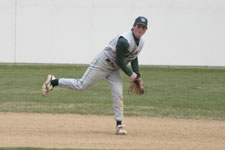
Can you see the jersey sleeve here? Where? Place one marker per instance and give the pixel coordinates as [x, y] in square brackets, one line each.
[121, 51]
[135, 67]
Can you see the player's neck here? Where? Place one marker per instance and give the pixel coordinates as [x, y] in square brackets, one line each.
[135, 39]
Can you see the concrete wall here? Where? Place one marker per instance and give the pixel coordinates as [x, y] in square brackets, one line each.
[7, 30]
[181, 32]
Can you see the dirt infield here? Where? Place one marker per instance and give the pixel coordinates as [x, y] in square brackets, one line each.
[97, 132]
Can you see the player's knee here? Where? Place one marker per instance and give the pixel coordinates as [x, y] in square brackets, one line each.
[79, 85]
[117, 95]
[82, 87]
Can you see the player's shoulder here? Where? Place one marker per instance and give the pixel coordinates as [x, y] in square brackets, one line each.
[126, 34]
[122, 41]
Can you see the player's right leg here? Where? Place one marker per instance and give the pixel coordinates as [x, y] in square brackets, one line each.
[116, 85]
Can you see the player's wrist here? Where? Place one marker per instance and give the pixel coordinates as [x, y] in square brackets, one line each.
[133, 76]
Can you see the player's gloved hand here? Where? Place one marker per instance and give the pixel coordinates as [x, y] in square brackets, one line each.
[137, 87]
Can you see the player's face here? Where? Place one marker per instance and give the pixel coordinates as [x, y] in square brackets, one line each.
[139, 30]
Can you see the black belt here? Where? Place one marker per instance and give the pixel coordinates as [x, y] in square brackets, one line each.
[110, 62]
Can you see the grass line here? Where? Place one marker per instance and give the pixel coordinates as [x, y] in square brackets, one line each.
[177, 92]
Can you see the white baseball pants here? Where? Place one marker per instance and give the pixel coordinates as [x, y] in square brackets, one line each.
[97, 70]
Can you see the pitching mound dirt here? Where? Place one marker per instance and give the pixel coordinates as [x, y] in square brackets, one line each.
[98, 132]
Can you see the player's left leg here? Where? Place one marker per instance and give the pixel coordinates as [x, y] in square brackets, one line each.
[116, 85]
[97, 70]
[90, 77]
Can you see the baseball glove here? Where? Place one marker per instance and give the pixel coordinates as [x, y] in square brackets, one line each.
[137, 87]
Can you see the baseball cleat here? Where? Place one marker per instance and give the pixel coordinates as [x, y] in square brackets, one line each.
[120, 130]
[47, 86]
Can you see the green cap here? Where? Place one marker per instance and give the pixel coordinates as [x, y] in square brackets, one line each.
[141, 20]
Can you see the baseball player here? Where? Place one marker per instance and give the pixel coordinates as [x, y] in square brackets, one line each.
[121, 50]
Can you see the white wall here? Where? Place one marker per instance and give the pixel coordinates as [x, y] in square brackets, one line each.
[7, 30]
[181, 32]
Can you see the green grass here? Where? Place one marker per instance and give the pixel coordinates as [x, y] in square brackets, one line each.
[177, 92]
